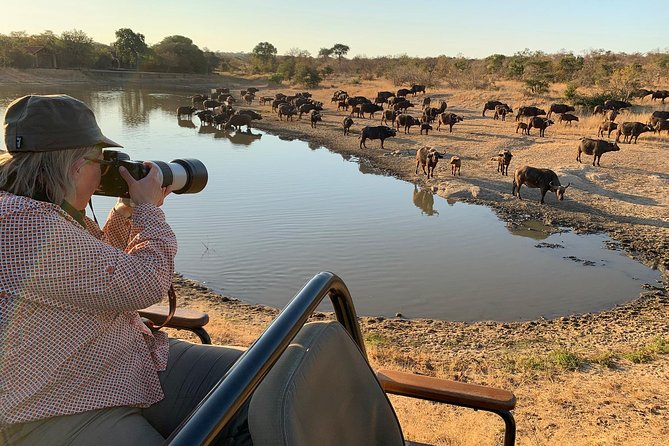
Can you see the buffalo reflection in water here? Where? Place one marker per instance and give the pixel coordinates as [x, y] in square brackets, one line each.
[187, 123]
[424, 200]
[238, 137]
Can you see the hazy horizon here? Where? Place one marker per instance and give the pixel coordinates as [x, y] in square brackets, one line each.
[371, 28]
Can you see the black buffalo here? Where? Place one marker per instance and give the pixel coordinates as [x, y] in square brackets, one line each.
[415, 88]
[253, 114]
[389, 115]
[632, 130]
[596, 147]
[402, 92]
[348, 122]
[369, 108]
[616, 105]
[406, 121]
[378, 132]
[449, 119]
[186, 111]
[539, 123]
[529, 111]
[559, 108]
[544, 179]
[490, 105]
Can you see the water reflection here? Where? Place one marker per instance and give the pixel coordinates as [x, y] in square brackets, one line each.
[424, 200]
[187, 123]
[534, 229]
[239, 138]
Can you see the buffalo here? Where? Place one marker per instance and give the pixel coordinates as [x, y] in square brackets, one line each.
[611, 104]
[523, 128]
[369, 108]
[377, 132]
[501, 111]
[660, 114]
[567, 117]
[559, 108]
[490, 105]
[315, 117]
[348, 122]
[252, 113]
[660, 94]
[456, 164]
[529, 111]
[426, 127]
[402, 92]
[287, 110]
[406, 121]
[539, 123]
[238, 121]
[606, 126]
[426, 156]
[389, 115]
[662, 124]
[431, 113]
[543, 179]
[449, 119]
[308, 107]
[632, 130]
[186, 111]
[503, 160]
[596, 147]
[417, 89]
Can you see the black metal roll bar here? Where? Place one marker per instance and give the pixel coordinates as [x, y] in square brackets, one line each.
[237, 385]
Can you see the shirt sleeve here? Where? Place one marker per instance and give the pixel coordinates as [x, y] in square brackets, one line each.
[69, 267]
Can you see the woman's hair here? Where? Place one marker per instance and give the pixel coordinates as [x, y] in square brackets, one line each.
[41, 175]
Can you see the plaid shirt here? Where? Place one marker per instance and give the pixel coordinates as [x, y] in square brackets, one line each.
[71, 339]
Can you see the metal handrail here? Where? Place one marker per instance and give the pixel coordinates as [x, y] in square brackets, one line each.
[237, 385]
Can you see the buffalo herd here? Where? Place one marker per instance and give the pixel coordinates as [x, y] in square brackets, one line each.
[393, 107]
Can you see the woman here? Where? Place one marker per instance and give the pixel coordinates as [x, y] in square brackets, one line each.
[77, 365]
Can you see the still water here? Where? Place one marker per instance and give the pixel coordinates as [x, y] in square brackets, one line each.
[275, 212]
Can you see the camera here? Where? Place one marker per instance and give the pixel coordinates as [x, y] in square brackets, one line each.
[187, 176]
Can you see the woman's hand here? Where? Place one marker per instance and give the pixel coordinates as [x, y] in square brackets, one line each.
[147, 190]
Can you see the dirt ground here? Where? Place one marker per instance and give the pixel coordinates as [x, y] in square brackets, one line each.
[590, 379]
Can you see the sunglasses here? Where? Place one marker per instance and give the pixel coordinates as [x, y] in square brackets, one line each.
[104, 164]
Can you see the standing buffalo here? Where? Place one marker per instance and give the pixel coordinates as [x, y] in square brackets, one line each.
[315, 117]
[539, 123]
[632, 130]
[567, 117]
[389, 115]
[501, 111]
[660, 94]
[559, 108]
[186, 111]
[449, 119]
[348, 122]
[417, 89]
[529, 111]
[596, 147]
[406, 121]
[490, 105]
[606, 126]
[503, 160]
[402, 92]
[660, 114]
[544, 179]
[426, 156]
[369, 108]
[616, 105]
[378, 132]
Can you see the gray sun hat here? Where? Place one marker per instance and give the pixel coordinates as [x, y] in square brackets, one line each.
[36, 123]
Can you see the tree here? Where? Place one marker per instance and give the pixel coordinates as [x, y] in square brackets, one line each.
[179, 54]
[340, 51]
[130, 47]
[77, 50]
[325, 53]
[265, 55]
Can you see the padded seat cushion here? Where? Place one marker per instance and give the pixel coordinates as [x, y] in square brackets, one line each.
[322, 392]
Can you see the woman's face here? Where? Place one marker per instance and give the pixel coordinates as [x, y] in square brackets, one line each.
[86, 175]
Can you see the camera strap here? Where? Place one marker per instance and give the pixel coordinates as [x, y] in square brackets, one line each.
[172, 299]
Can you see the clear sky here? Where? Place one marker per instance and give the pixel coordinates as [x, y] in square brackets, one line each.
[371, 28]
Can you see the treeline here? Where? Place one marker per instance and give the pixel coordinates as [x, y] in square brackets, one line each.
[74, 49]
[603, 74]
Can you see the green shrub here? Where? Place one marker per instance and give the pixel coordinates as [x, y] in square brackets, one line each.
[275, 78]
[640, 356]
[565, 359]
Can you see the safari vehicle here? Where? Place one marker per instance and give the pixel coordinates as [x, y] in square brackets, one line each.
[303, 378]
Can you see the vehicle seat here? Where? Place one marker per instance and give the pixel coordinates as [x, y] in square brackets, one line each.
[322, 392]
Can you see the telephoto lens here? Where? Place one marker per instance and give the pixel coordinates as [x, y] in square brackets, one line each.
[186, 176]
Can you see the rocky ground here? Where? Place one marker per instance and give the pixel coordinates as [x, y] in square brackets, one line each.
[590, 379]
